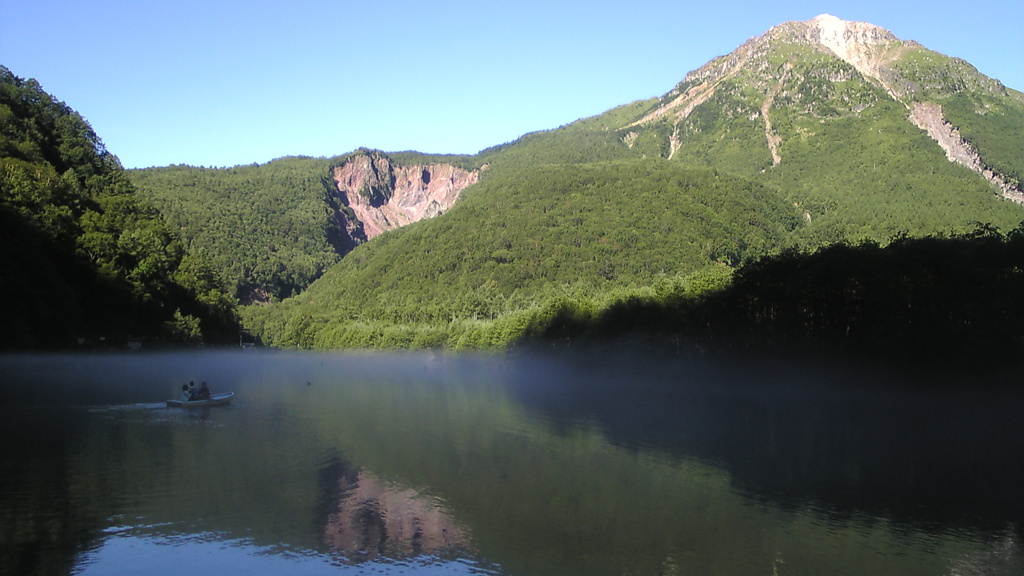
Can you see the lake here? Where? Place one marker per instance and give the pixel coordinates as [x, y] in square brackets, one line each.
[518, 464]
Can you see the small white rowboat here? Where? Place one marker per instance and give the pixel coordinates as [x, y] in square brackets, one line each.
[215, 400]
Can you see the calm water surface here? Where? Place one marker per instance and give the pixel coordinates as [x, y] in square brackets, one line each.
[519, 465]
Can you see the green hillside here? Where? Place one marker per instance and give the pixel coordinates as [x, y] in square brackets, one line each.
[992, 122]
[516, 240]
[270, 229]
[81, 256]
[566, 222]
[847, 155]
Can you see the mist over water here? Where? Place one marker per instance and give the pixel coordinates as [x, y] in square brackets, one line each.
[526, 463]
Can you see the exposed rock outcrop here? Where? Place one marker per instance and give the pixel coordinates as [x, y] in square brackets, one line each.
[769, 133]
[381, 195]
[929, 117]
[866, 47]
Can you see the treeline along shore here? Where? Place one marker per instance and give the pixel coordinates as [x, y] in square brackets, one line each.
[951, 299]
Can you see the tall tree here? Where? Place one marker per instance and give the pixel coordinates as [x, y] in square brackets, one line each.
[81, 255]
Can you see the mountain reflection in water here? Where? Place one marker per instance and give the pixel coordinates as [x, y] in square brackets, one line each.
[374, 519]
[518, 464]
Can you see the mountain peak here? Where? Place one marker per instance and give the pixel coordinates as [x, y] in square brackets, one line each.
[794, 70]
[866, 47]
[860, 44]
[826, 17]
[839, 34]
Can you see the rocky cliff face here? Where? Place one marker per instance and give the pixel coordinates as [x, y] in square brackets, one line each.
[380, 194]
[928, 116]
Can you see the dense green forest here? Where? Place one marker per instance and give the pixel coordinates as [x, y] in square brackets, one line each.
[946, 299]
[937, 299]
[587, 228]
[81, 256]
[269, 229]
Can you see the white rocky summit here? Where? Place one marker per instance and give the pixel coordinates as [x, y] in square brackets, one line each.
[852, 42]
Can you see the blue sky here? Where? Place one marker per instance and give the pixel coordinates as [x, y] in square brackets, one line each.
[211, 83]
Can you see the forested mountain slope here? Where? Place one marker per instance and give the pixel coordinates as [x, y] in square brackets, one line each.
[268, 229]
[868, 135]
[831, 131]
[81, 256]
[511, 244]
[844, 117]
[272, 229]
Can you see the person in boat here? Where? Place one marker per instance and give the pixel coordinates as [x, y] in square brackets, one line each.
[204, 392]
[185, 394]
[192, 390]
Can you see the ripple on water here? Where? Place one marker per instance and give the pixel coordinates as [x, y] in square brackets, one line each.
[127, 551]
